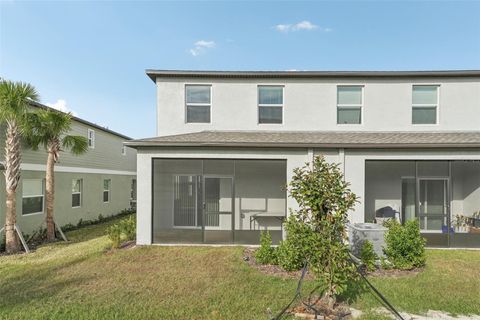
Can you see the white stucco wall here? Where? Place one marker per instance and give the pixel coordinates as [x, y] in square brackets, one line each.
[311, 105]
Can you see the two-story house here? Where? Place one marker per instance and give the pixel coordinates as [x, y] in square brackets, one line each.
[100, 182]
[228, 141]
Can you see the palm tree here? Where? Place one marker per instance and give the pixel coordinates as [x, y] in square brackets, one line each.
[14, 104]
[50, 128]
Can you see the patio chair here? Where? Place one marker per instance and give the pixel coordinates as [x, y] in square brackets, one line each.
[386, 213]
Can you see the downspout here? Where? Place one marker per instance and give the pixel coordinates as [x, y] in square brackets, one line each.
[341, 159]
[310, 157]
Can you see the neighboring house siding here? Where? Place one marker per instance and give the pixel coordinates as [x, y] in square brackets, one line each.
[312, 104]
[92, 201]
[107, 153]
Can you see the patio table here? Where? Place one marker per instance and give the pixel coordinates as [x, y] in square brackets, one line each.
[277, 215]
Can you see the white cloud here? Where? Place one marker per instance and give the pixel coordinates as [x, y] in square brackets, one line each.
[201, 46]
[302, 25]
[283, 27]
[61, 105]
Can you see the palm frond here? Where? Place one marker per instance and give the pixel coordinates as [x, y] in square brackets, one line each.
[32, 133]
[14, 99]
[76, 144]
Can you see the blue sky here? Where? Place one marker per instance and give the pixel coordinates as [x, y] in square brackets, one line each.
[90, 57]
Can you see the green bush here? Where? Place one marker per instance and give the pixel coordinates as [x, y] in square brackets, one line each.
[122, 231]
[405, 246]
[288, 256]
[368, 256]
[266, 254]
[292, 253]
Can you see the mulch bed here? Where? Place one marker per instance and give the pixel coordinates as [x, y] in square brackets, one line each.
[340, 311]
[395, 273]
[124, 246]
[272, 270]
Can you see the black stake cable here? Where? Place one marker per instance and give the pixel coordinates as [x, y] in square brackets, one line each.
[299, 289]
[395, 312]
[297, 293]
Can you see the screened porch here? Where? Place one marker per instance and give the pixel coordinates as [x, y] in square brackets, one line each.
[217, 200]
[444, 196]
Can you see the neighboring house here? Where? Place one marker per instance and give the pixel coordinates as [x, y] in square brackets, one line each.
[408, 142]
[97, 182]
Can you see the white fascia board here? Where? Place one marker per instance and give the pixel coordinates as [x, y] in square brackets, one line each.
[43, 167]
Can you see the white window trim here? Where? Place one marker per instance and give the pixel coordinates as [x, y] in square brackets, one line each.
[91, 139]
[35, 196]
[107, 190]
[124, 150]
[193, 104]
[80, 193]
[351, 106]
[420, 105]
[271, 105]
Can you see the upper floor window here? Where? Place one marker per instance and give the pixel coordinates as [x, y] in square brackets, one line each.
[199, 101]
[77, 193]
[424, 104]
[32, 196]
[106, 190]
[349, 104]
[91, 138]
[124, 151]
[270, 104]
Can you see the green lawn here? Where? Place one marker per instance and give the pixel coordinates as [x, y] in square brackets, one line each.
[79, 280]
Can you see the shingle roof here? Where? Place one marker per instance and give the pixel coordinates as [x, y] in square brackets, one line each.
[452, 139]
[88, 123]
[152, 73]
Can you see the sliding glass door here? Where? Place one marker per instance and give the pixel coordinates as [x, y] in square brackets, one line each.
[218, 209]
[433, 203]
[186, 197]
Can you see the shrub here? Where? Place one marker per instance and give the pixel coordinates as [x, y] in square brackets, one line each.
[368, 256]
[292, 253]
[122, 231]
[288, 256]
[405, 247]
[385, 264]
[266, 254]
[129, 228]
[114, 233]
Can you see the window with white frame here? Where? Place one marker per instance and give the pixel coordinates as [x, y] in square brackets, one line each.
[424, 104]
[106, 190]
[77, 193]
[124, 151]
[349, 104]
[91, 138]
[32, 196]
[198, 102]
[270, 104]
